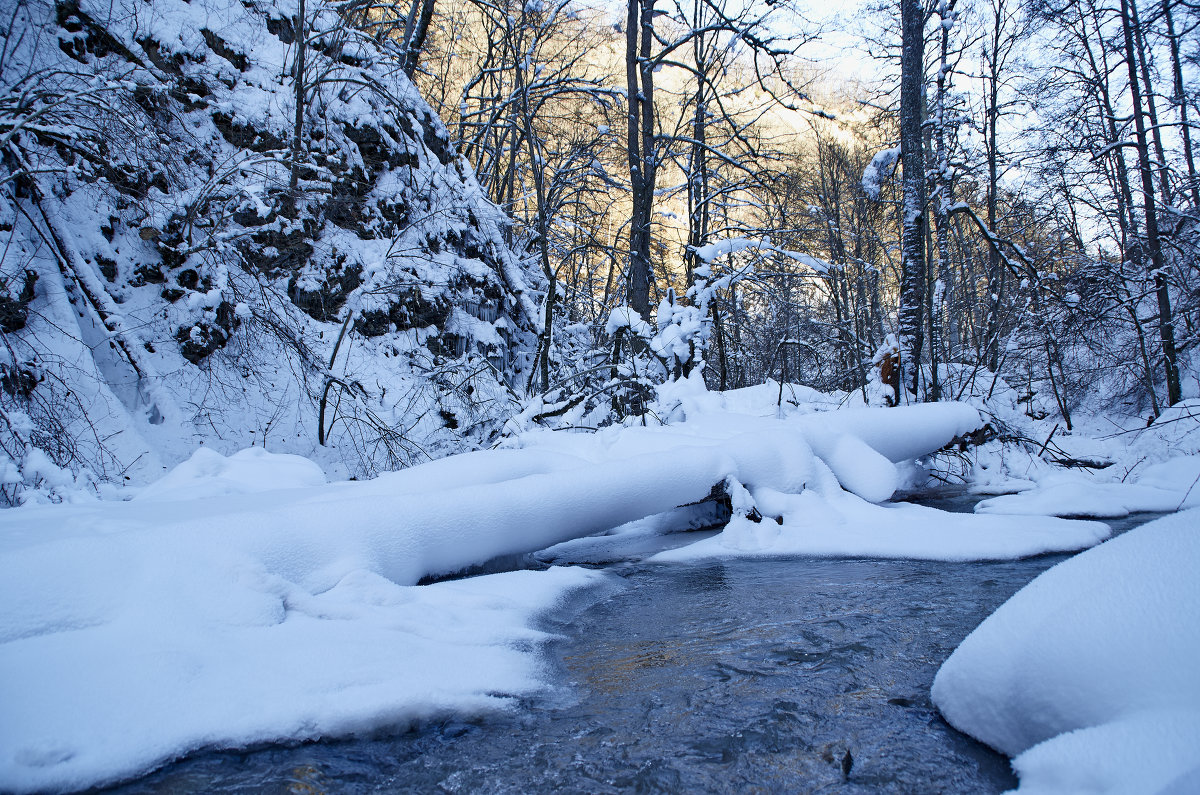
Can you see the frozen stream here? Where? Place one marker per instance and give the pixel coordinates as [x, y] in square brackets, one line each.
[755, 675]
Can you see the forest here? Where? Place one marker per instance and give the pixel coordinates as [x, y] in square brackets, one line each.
[380, 244]
[357, 333]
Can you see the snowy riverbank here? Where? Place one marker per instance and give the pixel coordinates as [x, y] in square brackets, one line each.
[243, 600]
[1088, 676]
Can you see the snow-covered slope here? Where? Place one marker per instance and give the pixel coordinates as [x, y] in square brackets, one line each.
[177, 271]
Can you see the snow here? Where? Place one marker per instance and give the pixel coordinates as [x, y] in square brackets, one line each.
[1153, 751]
[1168, 486]
[465, 325]
[1087, 676]
[842, 525]
[268, 662]
[722, 248]
[209, 474]
[121, 389]
[242, 600]
[879, 169]
[625, 317]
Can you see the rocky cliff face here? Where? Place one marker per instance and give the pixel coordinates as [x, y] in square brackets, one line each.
[181, 266]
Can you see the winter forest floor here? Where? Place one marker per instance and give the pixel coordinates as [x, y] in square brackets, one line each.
[243, 601]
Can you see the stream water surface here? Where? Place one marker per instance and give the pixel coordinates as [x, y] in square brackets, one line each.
[775, 675]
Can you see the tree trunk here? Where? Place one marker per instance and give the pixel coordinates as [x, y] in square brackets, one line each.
[298, 84]
[1164, 182]
[697, 182]
[995, 273]
[415, 41]
[1180, 98]
[912, 155]
[1166, 326]
[941, 203]
[639, 78]
[538, 170]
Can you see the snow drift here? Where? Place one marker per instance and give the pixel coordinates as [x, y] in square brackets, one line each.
[1087, 676]
[1171, 485]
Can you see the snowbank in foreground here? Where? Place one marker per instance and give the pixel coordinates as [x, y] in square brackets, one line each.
[137, 683]
[1088, 675]
[1169, 486]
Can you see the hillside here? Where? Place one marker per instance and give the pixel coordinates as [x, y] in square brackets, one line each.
[179, 268]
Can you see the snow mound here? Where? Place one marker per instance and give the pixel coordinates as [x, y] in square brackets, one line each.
[1175, 432]
[1147, 752]
[861, 470]
[823, 523]
[1169, 486]
[1088, 674]
[240, 657]
[209, 474]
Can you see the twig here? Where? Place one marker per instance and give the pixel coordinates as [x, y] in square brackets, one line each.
[1048, 438]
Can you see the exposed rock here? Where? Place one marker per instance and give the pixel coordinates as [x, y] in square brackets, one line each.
[180, 186]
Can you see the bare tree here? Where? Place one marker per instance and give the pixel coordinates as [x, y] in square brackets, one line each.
[1166, 324]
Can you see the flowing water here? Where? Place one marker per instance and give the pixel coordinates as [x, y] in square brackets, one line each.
[779, 675]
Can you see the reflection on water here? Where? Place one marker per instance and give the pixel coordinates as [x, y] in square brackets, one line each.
[786, 675]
